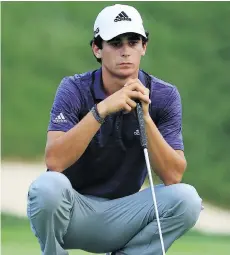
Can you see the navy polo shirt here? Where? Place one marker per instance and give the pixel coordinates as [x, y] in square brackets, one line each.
[113, 164]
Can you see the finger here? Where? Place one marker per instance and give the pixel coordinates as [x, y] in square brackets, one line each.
[127, 108]
[131, 103]
[136, 86]
[129, 82]
[146, 90]
[139, 95]
[141, 88]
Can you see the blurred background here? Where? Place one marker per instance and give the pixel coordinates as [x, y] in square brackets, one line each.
[189, 47]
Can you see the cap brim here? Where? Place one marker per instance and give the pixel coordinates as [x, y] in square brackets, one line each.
[109, 34]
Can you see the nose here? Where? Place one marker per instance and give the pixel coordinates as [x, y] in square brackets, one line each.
[125, 55]
[125, 51]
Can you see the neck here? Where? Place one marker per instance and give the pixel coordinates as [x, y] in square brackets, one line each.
[113, 83]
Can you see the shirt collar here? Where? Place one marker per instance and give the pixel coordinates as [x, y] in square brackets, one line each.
[99, 91]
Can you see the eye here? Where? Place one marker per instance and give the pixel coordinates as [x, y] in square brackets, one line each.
[115, 44]
[133, 42]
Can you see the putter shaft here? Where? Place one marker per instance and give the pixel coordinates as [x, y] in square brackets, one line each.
[143, 140]
[154, 198]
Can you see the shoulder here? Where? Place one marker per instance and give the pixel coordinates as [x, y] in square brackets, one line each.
[162, 91]
[76, 82]
[73, 89]
[163, 87]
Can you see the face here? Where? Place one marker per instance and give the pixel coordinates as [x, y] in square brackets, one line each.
[121, 55]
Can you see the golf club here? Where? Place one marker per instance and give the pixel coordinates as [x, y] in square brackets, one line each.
[143, 140]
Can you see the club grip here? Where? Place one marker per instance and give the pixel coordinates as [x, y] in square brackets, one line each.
[143, 137]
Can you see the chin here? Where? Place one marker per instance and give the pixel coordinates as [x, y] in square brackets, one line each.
[126, 72]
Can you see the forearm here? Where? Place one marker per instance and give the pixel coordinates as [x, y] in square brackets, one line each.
[69, 147]
[166, 162]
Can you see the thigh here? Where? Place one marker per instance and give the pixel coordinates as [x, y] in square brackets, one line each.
[101, 225]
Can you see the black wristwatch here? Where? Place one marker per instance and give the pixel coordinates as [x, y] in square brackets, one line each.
[96, 115]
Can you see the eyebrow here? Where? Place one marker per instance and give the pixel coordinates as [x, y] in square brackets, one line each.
[134, 37]
[130, 37]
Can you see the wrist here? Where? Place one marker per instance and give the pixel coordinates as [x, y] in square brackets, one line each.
[147, 118]
[96, 115]
[102, 110]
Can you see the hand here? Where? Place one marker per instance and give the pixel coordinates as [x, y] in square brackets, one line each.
[145, 105]
[124, 99]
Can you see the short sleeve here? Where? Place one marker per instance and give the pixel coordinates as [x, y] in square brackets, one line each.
[170, 120]
[66, 107]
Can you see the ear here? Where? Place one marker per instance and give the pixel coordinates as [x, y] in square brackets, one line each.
[144, 48]
[99, 53]
[96, 50]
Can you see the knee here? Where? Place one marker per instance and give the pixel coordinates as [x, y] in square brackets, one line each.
[49, 189]
[189, 204]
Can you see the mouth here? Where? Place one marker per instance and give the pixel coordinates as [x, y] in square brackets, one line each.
[125, 64]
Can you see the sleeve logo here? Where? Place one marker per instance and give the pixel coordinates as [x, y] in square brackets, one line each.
[60, 119]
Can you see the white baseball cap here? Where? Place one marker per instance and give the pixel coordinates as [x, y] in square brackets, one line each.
[116, 20]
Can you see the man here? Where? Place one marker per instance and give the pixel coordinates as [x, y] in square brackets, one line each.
[89, 199]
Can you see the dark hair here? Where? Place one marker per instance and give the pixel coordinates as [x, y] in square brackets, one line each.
[98, 42]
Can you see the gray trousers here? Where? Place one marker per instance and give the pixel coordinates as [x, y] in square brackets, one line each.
[62, 219]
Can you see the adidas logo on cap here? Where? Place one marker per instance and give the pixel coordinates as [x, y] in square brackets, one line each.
[96, 31]
[122, 17]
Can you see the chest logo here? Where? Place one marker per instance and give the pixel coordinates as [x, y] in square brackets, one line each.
[137, 132]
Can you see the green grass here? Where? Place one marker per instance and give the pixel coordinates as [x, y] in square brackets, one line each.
[189, 46]
[18, 239]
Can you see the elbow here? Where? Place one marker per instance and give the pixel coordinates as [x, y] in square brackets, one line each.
[52, 163]
[175, 179]
[176, 174]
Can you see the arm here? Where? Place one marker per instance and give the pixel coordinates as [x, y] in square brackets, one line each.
[65, 148]
[169, 164]
[165, 143]
[68, 139]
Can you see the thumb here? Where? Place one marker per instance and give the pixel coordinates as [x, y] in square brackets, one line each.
[129, 82]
